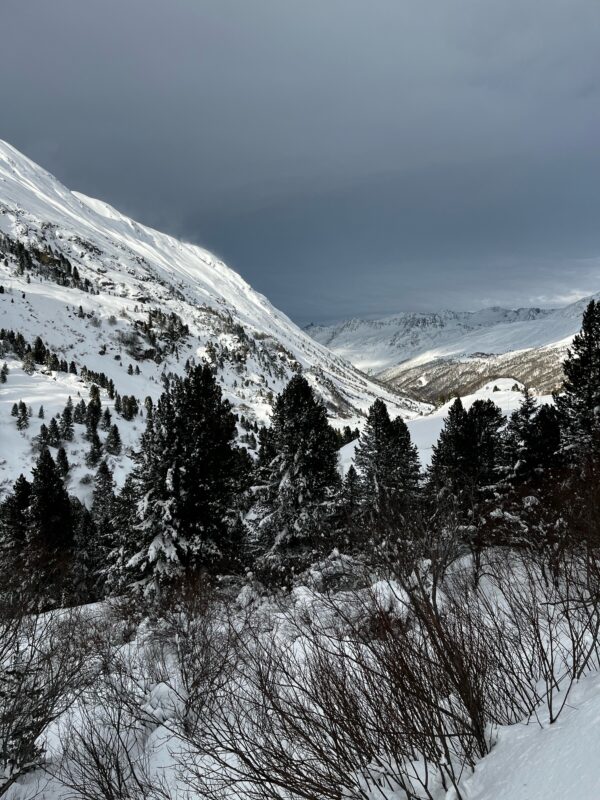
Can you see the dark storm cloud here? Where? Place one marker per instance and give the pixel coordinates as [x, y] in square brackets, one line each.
[348, 157]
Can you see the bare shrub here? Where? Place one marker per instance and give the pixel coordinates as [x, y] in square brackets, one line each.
[44, 666]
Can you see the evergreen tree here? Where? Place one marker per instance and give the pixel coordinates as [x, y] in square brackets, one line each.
[190, 473]
[51, 530]
[116, 572]
[86, 566]
[67, 430]
[93, 412]
[53, 433]
[485, 422]
[578, 404]
[350, 509]
[468, 455]
[387, 464]
[62, 462]
[41, 413]
[301, 481]
[105, 420]
[4, 372]
[103, 514]
[94, 454]
[79, 412]
[14, 412]
[28, 363]
[113, 441]
[43, 436]
[15, 520]
[517, 440]
[23, 417]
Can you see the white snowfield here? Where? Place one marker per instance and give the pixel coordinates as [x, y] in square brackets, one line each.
[135, 269]
[411, 340]
[546, 762]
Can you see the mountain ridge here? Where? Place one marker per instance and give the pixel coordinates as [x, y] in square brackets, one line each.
[411, 351]
[122, 299]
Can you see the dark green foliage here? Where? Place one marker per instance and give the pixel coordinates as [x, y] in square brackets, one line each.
[51, 530]
[298, 464]
[113, 441]
[189, 476]
[346, 435]
[43, 436]
[469, 454]
[22, 416]
[67, 430]
[105, 420]
[15, 520]
[62, 462]
[93, 412]
[94, 454]
[129, 407]
[53, 433]
[28, 363]
[79, 412]
[387, 463]
[579, 402]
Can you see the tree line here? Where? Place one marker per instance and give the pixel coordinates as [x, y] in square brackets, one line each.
[196, 502]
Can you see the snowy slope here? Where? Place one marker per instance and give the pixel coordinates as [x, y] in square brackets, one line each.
[546, 762]
[429, 356]
[131, 269]
[378, 345]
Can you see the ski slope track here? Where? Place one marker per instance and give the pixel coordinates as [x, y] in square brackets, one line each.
[131, 269]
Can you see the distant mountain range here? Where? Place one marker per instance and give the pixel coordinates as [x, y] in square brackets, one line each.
[430, 356]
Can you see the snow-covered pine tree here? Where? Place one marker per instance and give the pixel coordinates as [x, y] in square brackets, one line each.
[113, 441]
[85, 576]
[105, 420]
[94, 454]
[66, 424]
[468, 455]
[387, 464]
[450, 456]
[578, 403]
[298, 464]
[50, 536]
[485, 422]
[23, 417]
[189, 476]
[116, 573]
[531, 440]
[53, 433]
[62, 462]
[15, 519]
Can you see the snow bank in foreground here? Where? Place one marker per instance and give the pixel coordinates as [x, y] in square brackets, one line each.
[557, 762]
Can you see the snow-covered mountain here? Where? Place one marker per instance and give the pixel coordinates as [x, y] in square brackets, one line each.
[428, 355]
[107, 292]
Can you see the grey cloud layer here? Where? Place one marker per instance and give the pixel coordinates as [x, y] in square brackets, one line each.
[346, 157]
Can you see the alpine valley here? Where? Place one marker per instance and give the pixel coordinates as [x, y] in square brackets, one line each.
[124, 301]
[432, 356]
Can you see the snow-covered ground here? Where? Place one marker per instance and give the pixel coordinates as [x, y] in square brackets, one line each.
[133, 269]
[378, 345]
[425, 430]
[546, 762]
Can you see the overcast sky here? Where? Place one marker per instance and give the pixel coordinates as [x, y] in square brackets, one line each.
[348, 157]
